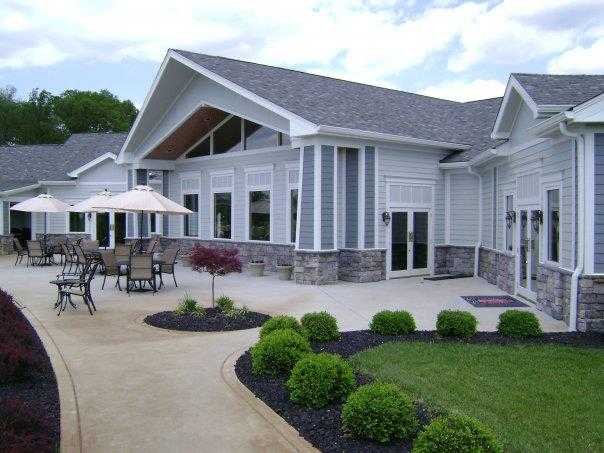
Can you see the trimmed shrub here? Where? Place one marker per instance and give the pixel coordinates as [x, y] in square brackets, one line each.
[380, 412]
[319, 379]
[225, 304]
[320, 326]
[278, 352]
[392, 322]
[281, 322]
[456, 323]
[24, 429]
[456, 433]
[189, 306]
[519, 323]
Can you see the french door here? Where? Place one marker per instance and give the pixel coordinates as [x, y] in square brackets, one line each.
[527, 253]
[409, 243]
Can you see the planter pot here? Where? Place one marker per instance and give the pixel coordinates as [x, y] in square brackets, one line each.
[257, 269]
[285, 272]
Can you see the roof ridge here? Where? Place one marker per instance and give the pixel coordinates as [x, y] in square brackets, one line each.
[320, 75]
[554, 75]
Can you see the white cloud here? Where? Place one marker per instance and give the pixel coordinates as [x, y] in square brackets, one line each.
[42, 54]
[580, 60]
[465, 90]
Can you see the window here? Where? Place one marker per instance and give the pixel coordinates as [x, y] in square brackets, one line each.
[152, 220]
[284, 139]
[77, 222]
[227, 138]
[553, 225]
[509, 224]
[201, 149]
[191, 201]
[257, 136]
[222, 215]
[293, 219]
[260, 215]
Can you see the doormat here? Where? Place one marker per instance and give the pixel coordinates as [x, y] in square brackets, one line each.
[493, 301]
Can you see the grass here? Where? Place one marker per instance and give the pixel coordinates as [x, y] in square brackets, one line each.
[535, 397]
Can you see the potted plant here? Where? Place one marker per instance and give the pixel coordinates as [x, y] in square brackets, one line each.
[257, 267]
[285, 271]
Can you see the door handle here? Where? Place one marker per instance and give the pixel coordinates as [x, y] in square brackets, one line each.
[410, 236]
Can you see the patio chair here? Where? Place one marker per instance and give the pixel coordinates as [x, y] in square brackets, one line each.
[151, 246]
[80, 256]
[141, 271]
[136, 247]
[35, 253]
[79, 288]
[112, 269]
[21, 252]
[167, 264]
[68, 257]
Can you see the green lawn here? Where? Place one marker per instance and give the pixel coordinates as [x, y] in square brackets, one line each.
[536, 398]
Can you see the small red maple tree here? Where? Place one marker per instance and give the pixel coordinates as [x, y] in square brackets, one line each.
[215, 261]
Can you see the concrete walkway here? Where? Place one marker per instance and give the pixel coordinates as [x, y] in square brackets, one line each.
[139, 388]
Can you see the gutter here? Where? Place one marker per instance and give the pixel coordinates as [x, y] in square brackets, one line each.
[580, 216]
[479, 242]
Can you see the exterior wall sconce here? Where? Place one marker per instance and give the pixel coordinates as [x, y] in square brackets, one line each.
[510, 218]
[536, 220]
[386, 217]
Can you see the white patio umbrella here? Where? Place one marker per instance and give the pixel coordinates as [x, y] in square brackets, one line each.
[88, 205]
[142, 199]
[42, 203]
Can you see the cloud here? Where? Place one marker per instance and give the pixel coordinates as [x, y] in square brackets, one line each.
[580, 60]
[42, 54]
[465, 90]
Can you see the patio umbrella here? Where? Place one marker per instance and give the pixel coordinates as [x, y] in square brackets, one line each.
[42, 203]
[142, 199]
[88, 205]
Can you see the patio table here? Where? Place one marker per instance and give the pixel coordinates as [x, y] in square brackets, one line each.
[126, 263]
[60, 283]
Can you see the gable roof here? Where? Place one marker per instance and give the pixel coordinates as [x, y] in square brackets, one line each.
[561, 89]
[24, 165]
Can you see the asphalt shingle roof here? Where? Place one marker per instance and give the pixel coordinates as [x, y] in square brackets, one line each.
[554, 89]
[23, 165]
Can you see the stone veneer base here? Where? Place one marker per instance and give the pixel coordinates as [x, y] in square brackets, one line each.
[316, 267]
[454, 259]
[362, 266]
[497, 268]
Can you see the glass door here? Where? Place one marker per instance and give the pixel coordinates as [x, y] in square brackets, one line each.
[528, 253]
[102, 229]
[409, 243]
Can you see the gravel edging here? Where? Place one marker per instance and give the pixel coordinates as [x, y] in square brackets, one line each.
[322, 427]
[213, 320]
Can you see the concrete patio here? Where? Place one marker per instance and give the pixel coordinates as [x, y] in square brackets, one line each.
[139, 388]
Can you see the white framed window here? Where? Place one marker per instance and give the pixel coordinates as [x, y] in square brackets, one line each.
[509, 221]
[552, 224]
[293, 191]
[221, 184]
[77, 222]
[258, 203]
[155, 180]
[190, 187]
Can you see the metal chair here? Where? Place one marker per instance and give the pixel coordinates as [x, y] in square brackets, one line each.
[112, 269]
[122, 252]
[151, 246]
[68, 257]
[167, 265]
[21, 252]
[141, 271]
[36, 255]
[79, 288]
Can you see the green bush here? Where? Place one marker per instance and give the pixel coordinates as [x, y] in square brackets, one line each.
[281, 322]
[278, 352]
[518, 323]
[189, 306]
[225, 304]
[319, 379]
[380, 412]
[320, 326]
[392, 322]
[456, 433]
[456, 323]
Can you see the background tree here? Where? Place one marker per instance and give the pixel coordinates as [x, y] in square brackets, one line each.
[215, 262]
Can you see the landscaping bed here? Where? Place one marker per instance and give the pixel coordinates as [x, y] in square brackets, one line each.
[323, 426]
[29, 396]
[213, 320]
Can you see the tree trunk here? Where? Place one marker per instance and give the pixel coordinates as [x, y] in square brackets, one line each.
[213, 278]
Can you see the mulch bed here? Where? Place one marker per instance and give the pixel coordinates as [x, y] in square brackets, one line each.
[213, 320]
[36, 397]
[322, 427]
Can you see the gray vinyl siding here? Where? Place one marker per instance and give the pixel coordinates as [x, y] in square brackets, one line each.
[129, 216]
[352, 195]
[6, 217]
[307, 205]
[487, 207]
[341, 197]
[369, 197]
[327, 197]
[464, 208]
[166, 193]
[175, 221]
[599, 203]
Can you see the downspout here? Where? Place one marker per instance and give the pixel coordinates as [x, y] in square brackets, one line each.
[580, 216]
[479, 241]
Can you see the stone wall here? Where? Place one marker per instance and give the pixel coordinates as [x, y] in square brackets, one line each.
[497, 268]
[553, 291]
[6, 245]
[453, 259]
[362, 266]
[590, 310]
[316, 268]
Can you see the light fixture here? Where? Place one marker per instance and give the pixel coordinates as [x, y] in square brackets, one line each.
[536, 219]
[386, 217]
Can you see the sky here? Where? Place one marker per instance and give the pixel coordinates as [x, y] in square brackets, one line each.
[451, 49]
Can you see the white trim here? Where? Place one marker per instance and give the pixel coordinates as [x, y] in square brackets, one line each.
[504, 195]
[209, 134]
[20, 189]
[236, 154]
[93, 163]
[213, 191]
[513, 84]
[361, 198]
[377, 201]
[447, 207]
[317, 198]
[289, 167]
[301, 154]
[545, 258]
[259, 169]
[589, 195]
[335, 197]
[190, 175]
